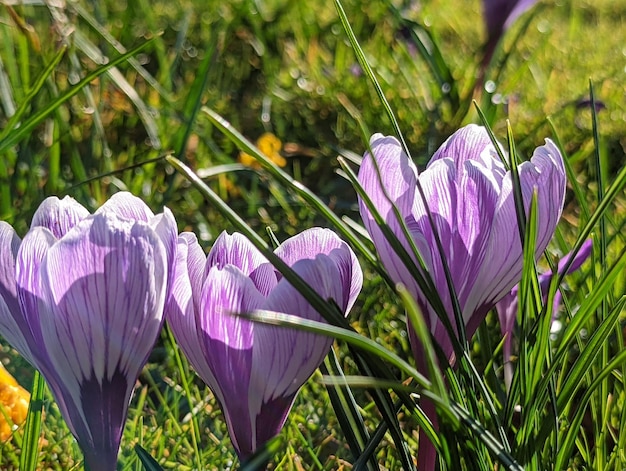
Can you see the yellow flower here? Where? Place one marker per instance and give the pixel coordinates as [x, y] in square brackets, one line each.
[269, 145]
[14, 401]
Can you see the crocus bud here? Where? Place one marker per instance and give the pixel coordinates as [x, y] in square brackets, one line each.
[82, 299]
[469, 193]
[255, 370]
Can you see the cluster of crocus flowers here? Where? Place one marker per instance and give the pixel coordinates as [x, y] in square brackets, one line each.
[82, 298]
[469, 194]
[255, 370]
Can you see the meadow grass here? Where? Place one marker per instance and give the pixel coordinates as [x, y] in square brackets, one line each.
[72, 124]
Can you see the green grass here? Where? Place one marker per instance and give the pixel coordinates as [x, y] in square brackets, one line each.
[287, 67]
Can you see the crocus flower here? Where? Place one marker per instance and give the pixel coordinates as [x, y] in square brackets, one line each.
[470, 195]
[82, 299]
[255, 370]
[507, 307]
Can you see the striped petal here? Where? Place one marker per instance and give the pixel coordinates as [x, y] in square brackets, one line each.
[312, 242]
[284, 359]
[228, 342]
[59, 216]
[103, 292]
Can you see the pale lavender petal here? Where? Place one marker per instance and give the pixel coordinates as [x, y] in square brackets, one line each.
[397, 180]
[396, 172]
[284, 359]
[181, 308]
[164, 225]
[9, 245]
[311, 242]
[59, 216]
[471, 142]
[30, 255]
[104, 288]
[545, 173]
[235, 250]
[227, 343]
[128, 206]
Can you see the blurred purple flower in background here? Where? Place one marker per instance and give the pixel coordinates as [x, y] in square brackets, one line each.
[507, 307]
[255, 370]
[82, 299]
[499, 15]
[470, 195]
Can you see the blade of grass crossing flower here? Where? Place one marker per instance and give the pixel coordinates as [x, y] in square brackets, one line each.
[10, 136]
[32, 429]
[517, 186]
[416, 319]
[329, 312]
[347, 410]
[425, 282]
[348, 336]
[284, 178]
[492, 136]
[325, 309]
[572, 432]
[458, 316]
[148, 462]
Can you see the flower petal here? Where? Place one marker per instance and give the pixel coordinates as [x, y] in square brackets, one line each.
[311, 242]
[227, 342]
[127, 205]
[238, 251]
[396, 182]
[59, 216]
[284, 359]
[182, 307]
[30, 255]
[546, 173]
[471, 142]
[104, 287]
[9, 245]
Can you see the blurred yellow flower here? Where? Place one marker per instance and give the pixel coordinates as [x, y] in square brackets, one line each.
[14, 401]
[269, 145]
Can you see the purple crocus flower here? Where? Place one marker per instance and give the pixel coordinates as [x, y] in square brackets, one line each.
[470, 195]
[507, 307]
[255, 370]
[499, 15]
[82, 299]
